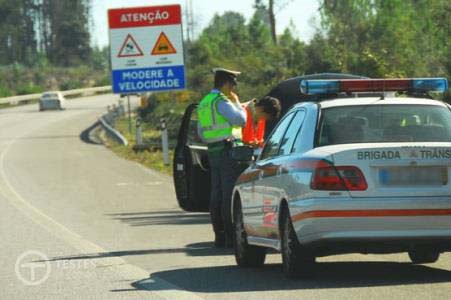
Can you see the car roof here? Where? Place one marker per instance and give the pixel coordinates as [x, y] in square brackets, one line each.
[289, 92]
[374, 101]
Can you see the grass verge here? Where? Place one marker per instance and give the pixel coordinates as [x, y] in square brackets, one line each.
[152, 159]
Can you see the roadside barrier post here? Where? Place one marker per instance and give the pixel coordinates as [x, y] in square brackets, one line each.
[121, 108]
[139, 136]
[164, 141]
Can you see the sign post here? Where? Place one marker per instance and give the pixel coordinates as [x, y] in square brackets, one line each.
[129, 115]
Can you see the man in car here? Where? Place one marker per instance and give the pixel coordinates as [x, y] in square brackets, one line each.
[221, 117]
[258, 112]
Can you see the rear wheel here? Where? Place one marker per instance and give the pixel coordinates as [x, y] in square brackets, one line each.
[296, 260]
[245, 255]
[423, 256]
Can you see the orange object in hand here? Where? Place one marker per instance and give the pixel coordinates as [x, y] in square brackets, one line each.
[253, 133]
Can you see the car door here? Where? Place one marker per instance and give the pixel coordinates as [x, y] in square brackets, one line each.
[264, 190]
[191, 170]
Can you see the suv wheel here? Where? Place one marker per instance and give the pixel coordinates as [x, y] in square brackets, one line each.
[245, 255]
[296, 261]
[423, 256]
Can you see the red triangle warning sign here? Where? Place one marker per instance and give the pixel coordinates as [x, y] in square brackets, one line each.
[163, 46]
[130, 48]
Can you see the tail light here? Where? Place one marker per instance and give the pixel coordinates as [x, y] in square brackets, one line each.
[337, 178]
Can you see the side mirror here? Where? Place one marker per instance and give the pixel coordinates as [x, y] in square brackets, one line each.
[242, 153]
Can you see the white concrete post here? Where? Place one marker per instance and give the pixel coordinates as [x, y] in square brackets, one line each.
[139, 135]
[164, 141]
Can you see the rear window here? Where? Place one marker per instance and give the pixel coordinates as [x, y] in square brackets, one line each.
[50, 95]
[384, 123]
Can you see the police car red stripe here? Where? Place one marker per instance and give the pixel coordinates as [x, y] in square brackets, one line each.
[370, 213]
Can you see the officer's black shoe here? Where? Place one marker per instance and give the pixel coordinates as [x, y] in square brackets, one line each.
[220, 241]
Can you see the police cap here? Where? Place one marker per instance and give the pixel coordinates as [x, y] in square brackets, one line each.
[222, 75]
[225, 71]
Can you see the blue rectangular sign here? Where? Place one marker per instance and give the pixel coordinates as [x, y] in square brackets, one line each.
[148, 79]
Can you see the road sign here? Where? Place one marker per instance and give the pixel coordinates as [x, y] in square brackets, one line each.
[163, 46]
[146, 49]
[130, 48]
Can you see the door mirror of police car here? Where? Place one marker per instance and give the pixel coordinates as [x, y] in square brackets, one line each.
[242, 153]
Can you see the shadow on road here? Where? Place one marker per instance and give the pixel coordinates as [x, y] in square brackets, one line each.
[327, 276]
[162, 218]
[86, 135]
[196, 249]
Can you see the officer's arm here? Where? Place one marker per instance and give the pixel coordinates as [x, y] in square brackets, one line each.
[200, 132]
[234, 113]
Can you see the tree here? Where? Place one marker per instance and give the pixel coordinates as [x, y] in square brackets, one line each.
[272, 21]
[17, 34]
[57, 28]
[267, 13]
[259, 33]
[70, 39]
[387, 38]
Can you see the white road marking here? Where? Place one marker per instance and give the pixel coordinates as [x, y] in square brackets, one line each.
[164, 289]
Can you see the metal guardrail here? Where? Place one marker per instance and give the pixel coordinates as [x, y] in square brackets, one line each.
[26, 98]
[107, 121]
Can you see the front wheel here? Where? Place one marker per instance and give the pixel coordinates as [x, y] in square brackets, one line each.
[245, 255]
[296, 261]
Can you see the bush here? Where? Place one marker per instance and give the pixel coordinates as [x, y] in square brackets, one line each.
[4, 91]
[29, 88]
[20, 80]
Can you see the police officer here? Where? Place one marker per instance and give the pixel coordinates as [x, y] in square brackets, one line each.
[221, 118]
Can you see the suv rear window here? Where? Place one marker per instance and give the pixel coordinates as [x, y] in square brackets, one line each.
[50, 95]
[384, 123]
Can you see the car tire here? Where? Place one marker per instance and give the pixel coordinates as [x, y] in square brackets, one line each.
[296, 260]
[424, 256]
[246, 255]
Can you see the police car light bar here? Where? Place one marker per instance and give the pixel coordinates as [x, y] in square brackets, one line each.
[327, 86]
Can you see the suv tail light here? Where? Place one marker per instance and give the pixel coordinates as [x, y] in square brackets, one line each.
[337, 178]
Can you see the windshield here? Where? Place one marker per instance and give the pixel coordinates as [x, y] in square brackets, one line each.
[384, 123]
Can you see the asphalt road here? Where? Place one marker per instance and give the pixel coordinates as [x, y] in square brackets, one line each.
[105, 228]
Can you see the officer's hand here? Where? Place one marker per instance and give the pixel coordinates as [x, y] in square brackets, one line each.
[234, 97]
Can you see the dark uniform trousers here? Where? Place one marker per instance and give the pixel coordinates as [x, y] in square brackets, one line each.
[224, 173]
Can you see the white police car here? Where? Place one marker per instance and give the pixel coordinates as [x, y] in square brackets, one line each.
[350, 175]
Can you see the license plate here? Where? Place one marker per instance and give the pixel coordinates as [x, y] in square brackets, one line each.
[412, 176]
